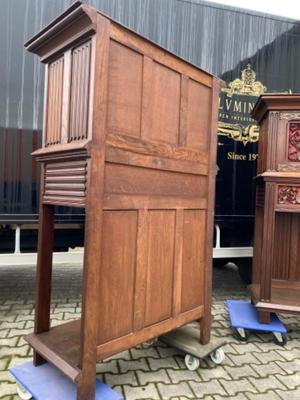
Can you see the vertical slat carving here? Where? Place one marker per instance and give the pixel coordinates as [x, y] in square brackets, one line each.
[54, 106]
[80, 87]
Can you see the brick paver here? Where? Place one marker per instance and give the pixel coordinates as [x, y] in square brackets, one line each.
[257, 370]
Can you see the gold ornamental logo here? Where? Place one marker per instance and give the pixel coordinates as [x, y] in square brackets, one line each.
[236, 103]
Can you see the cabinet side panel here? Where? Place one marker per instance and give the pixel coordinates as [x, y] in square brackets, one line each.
[124, 90]
[160, 269]
[198, 115]
[193, 254]
[116, 284]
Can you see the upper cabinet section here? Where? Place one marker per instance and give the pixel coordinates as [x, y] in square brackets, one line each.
[107, 83]
[67, 47]
[279, 145]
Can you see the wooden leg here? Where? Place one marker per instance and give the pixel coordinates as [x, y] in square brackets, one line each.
[264, 317]
[86, 385]
[205, 329]
[44, 274]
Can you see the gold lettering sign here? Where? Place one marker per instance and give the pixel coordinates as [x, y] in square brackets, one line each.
[235, 105]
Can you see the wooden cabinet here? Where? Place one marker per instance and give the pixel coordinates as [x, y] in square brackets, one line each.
[130, 135]
[276, 263]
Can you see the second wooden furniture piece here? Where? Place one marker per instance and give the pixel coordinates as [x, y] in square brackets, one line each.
[130, 135]
[276, 263]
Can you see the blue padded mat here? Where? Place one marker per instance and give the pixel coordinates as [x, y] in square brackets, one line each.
[243, 314]
[46, 382]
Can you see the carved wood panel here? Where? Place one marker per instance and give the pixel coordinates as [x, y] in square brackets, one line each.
[288, 194]
[54, 102]
[294, 141]
[80, 86]
[65, 183]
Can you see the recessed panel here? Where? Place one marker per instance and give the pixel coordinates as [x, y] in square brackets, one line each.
[160, 268]
[164, 121]
[116, 281]
[123, 179]
[198, 115]
[124, 90]
[193, 258]
[286, 252]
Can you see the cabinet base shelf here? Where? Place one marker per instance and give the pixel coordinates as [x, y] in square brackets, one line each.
[285, 297]
[60, 346]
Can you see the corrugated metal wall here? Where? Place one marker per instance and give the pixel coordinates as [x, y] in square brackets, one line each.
[218, 39]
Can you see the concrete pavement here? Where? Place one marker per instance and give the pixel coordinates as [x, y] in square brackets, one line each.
[257, 370]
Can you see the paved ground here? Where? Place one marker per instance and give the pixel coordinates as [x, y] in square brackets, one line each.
[257, 370]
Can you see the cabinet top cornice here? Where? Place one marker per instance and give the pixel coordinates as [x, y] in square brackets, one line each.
[275, 102]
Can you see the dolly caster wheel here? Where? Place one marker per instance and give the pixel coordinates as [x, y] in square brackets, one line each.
[241, 334]
[192, 363]
[217, 356]
[22, 392]
[279, 338]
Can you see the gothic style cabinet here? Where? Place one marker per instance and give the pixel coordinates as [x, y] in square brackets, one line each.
[130, 135]
[276, 263]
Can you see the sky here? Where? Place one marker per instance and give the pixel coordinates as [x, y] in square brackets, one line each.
[286, 8]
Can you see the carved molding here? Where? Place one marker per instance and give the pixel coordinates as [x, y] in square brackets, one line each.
[288, 168]
[289, 115]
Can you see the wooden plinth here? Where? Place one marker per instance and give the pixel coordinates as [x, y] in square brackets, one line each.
[285, 297]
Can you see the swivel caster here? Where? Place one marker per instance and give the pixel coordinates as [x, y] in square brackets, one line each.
[192, 363]
[241, 334]
[217, 356]
[279, 338]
